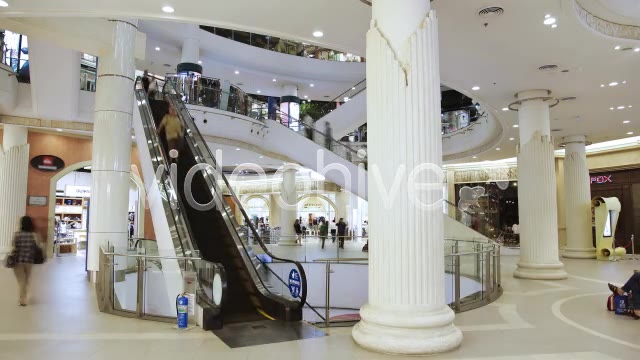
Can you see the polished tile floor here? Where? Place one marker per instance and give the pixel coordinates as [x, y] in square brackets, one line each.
[532, 320]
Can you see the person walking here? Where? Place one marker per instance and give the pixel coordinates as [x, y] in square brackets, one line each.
[328, 136]
[324, 230]
[173, 131]
[26, 249]
[342, 232]
[298, 229]
[333, 230]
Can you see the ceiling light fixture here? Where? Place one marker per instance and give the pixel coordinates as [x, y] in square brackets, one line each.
[59, 130]
[505, 109]
[614, 83]
[624, 82]
[236, 72]
[511, 139]
[353, 88]
[617, 47]
[475, 88]
[554, 26]
[200, 62]
[498, 149]
[636, 50]
[3, 3]
[274, 80]
[168, 9]
[260, 157]
[630, 133]
[157, 48]
[601, 85]
[550, 21]
[629, 106]
[626, 121]
[516, 125]
[306, 96]
[318, 34]
[474, 157]
[610, 108]
[620, 107]
[547, 16]
[311, 85]
[237, 149]
[258, 91]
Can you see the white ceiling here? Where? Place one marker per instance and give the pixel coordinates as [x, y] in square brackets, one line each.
[502, 57]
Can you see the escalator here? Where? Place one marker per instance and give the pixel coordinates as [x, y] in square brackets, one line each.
[197, 184]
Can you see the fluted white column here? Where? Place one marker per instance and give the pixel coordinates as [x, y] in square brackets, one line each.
[288, 203]
[406, 311]
[537, 203]
[112, 143]
[577, 200]
[14, 169]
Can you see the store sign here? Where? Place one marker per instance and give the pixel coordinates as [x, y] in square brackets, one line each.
[315, 204]
[77, 191]
[601, 179]
[47, 163]
[37, 200]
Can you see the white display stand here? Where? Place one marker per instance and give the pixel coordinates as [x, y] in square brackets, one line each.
[606, 212]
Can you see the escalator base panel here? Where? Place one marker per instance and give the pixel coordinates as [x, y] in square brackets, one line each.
[265, 332]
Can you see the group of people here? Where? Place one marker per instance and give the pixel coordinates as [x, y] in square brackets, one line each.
[337, 230]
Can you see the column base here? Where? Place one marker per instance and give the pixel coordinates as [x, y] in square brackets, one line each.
[573, 253]
[407, 330]
[541, 271]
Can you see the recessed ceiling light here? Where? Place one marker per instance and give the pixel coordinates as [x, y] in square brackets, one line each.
[475, 88]
[318, 33]
[237, 164]
[58, 129]
[200, 62]
[630, 133]
[260, 157]
[274, 80]
[505, 109]
[610, 108]
[624, 82]
[168, 9]
[554, 26]
[3, 3]
[614, 83]
[311, 85]
[157, 48]
[601, 85]
[258, 91]
[236, 72]
[547, 16]
[516, 125]
[498, 149]
[511, 139]
[237, 149]
[549, 21]
[346, 98]
[353, 88]
[306, 96]
[636, 49]
[620, 107]
[617, 47]
[474, 157]
[626, 121]
[133, 137]
[629, 106]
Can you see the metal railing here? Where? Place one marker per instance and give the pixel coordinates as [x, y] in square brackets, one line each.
[133, 284]
[284, 46]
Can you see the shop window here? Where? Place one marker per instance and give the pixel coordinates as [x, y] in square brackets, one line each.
[242, 36]
[15, 53]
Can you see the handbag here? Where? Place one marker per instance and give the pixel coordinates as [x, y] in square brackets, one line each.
[38, 254]
[10, 261]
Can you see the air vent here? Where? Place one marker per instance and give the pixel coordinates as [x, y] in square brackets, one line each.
[490, 11]
[548, 67]
[568, 98]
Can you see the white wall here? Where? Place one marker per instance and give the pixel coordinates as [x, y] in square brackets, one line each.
[73, 178]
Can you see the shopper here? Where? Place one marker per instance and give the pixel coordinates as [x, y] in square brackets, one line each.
[173, 131]
[328, 136]
[298, 229]
[632, 288]
[308, 126]
[333, 230]
[146, 81]
[324, 230]
[342, 232]
[26, 249]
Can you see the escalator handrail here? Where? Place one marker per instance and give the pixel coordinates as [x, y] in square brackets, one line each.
[218, 168]
[325, 109]
[192, 246]
[473, 216]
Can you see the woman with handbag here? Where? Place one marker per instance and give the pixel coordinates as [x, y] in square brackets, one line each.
[26, 252]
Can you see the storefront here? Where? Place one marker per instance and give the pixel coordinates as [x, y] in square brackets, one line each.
[313, 208]
[624, 185]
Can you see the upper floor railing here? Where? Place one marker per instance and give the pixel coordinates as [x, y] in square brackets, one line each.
[284, 46]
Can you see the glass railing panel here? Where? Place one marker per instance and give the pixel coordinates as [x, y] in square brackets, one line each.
[125, 289]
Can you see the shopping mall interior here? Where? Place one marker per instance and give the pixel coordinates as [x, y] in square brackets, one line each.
[339, 179]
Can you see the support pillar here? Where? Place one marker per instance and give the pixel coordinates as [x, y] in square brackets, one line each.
[14, 169]
[189, 61]
[108, 220]
[406, 312]
[537, 204]
[577, 200]
[288, 206]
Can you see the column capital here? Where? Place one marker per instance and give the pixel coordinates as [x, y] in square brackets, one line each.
[574, 139]
[533, 95]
